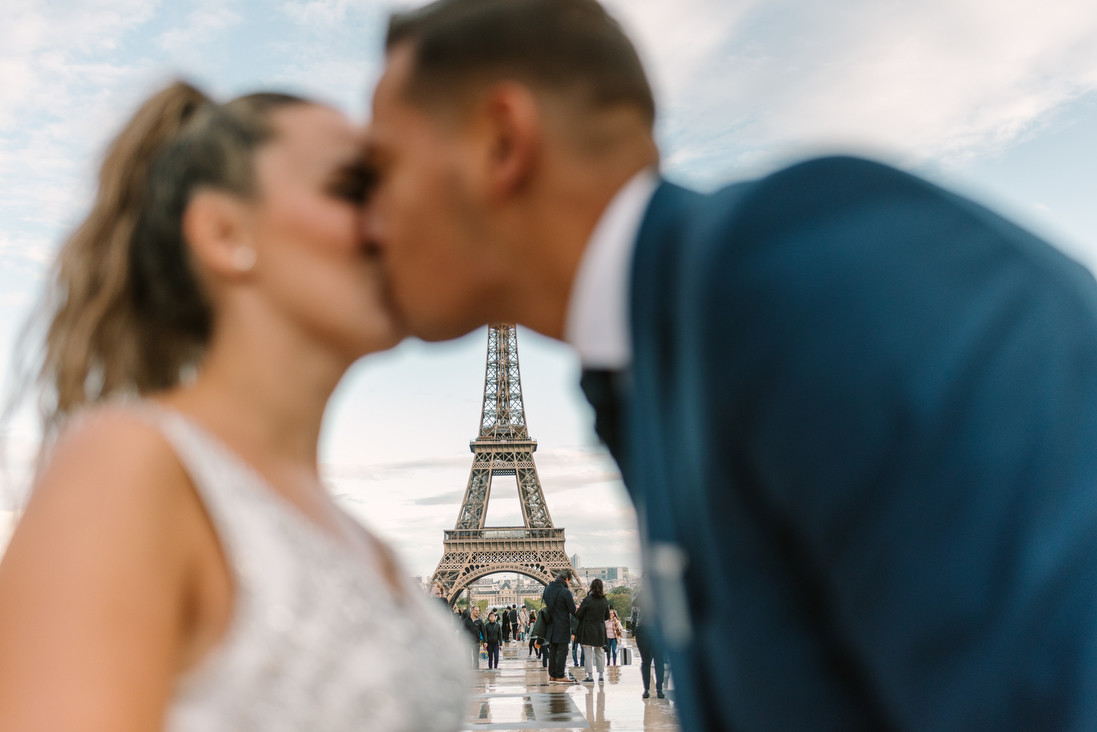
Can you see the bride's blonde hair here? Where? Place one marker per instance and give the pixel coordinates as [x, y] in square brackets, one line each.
[126, 311]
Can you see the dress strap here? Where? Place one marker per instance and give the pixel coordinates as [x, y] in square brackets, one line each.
[222, 486]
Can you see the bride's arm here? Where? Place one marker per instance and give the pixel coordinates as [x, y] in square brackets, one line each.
[93, 585]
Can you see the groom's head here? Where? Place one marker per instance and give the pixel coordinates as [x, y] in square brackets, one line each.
[500, 129]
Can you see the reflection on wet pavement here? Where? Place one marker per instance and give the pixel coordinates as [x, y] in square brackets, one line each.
[518, 696]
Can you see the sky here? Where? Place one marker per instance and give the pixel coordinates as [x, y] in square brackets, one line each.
[996, 99]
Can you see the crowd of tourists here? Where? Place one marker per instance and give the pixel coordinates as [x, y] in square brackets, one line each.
[585, 622]
[500, 627]
[596, 635]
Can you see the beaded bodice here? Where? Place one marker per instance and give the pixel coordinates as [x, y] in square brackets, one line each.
[318, 640]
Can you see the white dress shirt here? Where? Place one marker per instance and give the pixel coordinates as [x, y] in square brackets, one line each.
[597, 324]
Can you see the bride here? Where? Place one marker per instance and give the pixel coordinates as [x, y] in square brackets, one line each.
[180, 565]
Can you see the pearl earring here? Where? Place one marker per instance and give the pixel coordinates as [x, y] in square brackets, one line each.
[243, 258]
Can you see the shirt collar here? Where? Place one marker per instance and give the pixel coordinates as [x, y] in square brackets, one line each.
[597, 324]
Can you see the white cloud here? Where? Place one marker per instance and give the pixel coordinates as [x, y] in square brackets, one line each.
[326, 15]
[328, 77]
[334, 52]
[202, 26]
[38, 40]
[17, 249]
[940, 79]
[317, 13]
[14, 299]
[53, 99]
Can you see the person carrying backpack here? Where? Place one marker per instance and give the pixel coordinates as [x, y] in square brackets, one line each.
[493, 633]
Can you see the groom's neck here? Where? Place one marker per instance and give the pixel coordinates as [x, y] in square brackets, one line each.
[560, 220]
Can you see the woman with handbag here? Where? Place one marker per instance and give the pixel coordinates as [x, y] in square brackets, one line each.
[614, 634]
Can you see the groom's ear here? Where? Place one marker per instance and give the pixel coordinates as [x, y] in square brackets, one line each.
[511, 129]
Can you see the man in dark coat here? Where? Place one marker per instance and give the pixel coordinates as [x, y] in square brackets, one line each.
[514, 625]
[559, 607]
[650, 646]
[857, 413]
[505, 620]
[472, 624]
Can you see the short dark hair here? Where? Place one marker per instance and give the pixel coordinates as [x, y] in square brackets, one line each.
[565, 574]
[562, 45]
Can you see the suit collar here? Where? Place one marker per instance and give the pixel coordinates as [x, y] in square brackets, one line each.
[655, 260]
[597, 323]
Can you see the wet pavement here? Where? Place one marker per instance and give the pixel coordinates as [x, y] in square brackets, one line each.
[518, 696]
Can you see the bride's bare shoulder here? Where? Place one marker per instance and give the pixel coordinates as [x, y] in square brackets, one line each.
[113, 441]
[113, 464]
[95, 579]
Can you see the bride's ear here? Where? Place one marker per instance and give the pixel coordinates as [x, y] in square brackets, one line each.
[217, 227]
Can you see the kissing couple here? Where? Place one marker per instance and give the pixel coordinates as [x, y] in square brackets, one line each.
[857, 414]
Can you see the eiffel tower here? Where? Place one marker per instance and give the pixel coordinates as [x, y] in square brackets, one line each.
[503, 447]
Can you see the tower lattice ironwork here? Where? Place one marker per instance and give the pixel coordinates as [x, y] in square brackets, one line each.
[503, 447]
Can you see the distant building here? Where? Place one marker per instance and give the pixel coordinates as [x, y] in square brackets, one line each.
[527, 589]
[506, 592]
[611, 576]
[575, 561]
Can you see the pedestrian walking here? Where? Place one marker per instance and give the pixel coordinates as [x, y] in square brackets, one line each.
[559, 607]
[649, 645]
[492, 634]
[505, 619]
[532, 620]
[614, 634]
[514, 627]
[578, 655]
[523, 622]
[537, 635]
[473, 625]
[593, 613]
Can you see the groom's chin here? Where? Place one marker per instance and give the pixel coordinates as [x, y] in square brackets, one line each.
[434, 332]
[436, 326]
[430, 321]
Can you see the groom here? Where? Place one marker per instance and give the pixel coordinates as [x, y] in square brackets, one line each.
[857, 413]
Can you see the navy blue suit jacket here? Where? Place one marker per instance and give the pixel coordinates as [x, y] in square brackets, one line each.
[860, 430]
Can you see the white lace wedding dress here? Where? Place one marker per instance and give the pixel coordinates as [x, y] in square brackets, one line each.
[318, 641]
